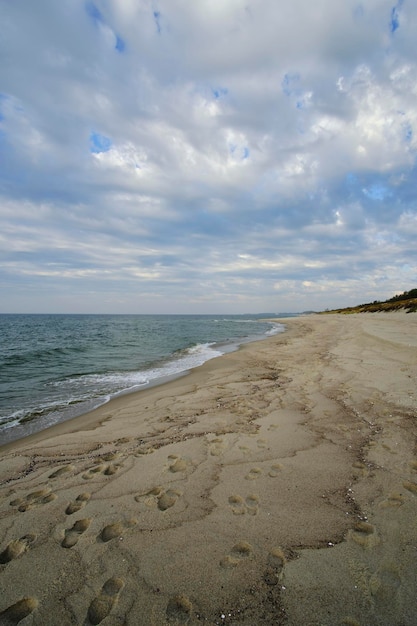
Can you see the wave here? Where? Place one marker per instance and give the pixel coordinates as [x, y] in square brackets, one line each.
[275, 330]
[98, 388]
[39, 356]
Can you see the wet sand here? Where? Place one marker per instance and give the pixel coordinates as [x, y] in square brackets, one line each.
[273, 485]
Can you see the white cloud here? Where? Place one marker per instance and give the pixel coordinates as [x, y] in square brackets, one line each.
[225, 154]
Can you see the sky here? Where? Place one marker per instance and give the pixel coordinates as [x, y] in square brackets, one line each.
[205, 156]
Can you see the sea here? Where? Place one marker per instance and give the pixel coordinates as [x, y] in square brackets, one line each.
[56, 367]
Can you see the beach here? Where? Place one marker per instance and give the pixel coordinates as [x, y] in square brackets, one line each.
[273, 485]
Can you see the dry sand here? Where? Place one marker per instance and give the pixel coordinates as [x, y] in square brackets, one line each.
[273, 485]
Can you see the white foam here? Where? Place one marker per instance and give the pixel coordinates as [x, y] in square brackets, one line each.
[275, 330]
[190, 358]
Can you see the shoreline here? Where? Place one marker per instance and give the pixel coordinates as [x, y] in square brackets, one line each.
[38, 435]
[274, 484]
[41, 434]
[33, 426]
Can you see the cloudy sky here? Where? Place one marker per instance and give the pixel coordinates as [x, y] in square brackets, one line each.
[203, 156]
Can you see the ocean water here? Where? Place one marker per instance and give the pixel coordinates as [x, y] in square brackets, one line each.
[55, 367]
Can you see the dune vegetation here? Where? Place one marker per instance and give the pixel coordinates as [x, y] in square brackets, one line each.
[405, 301]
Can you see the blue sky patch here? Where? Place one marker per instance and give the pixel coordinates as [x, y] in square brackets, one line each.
[395, 16]
[120, 44]
[408, 132]
[93, 12]
[351, 179]
[3, 98]
[157, 20]
[289, 84]
[99, 143]
[238, 152]
[220, 92]
[377, 191]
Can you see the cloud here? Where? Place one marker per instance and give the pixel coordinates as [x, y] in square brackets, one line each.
[206, 156]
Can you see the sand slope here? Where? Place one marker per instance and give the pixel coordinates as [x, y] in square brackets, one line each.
[275, 485]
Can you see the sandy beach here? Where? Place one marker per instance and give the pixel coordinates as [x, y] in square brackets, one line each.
[273, 485]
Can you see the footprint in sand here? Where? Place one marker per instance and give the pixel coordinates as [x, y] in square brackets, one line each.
[179, 610]
[107, 470]
[217, 446]
[242, 550]
[275, 470]
[237, 504]
[35, 498]
[158, 497]
[275, 566]
[79, 503]
[239, 552]
[18, 611]
[384, 586]
[112, 468]
[150, 498]
[16, 547]
[73, 534]
[62, 470]
[142, 450]
[364, 534]
[360, 470]
[240, 506]
[178, 464]
[116, 530]
[93, 471]
[167, 499]
[101, 606]
[254, 473]
[410, 486]
[394, 500]
[257, 472]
